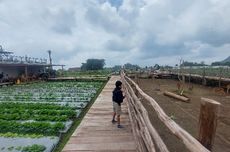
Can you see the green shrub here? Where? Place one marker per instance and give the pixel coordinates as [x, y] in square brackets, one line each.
[34, 148]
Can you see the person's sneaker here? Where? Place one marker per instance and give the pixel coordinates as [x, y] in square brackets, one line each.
[114, 121]
[120, 126]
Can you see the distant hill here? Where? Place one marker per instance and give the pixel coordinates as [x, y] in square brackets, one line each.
[226, 60]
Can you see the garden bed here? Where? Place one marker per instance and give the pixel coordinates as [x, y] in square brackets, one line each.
[37, 114]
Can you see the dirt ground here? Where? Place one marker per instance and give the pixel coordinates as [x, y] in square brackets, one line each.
[186, 114]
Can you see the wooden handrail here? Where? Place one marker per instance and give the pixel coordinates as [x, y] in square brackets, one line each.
[141, 115]
[190, 142]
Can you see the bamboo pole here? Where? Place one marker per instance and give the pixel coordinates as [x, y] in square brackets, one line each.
[220, 76]
[143, 129]
[204, 81]
[145, 118]
[208, 122]
[190, 142]
[145, 134]
[140, 144]
[136, 126]
[142, 113]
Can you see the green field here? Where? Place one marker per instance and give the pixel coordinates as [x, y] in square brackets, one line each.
[93, 73]
[42, 112]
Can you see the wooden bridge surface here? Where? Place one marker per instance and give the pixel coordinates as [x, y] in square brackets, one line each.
[97, 133]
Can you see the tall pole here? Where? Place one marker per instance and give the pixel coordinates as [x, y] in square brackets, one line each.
[26, 72]
[62, 67]
[49, 51]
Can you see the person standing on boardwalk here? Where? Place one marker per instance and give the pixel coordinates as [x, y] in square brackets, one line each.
[117, 100]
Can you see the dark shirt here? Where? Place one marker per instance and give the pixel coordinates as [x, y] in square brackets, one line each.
[118, 96]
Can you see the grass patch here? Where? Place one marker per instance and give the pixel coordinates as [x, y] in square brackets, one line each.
[66, 136]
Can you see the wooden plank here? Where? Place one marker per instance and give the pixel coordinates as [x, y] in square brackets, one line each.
[96, 131]
[208, 122]
[101, 146]
[99, 139]
[98, 151]
[173, 95]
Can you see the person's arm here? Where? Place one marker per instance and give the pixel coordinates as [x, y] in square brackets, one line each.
[123, 96]
[122, 92]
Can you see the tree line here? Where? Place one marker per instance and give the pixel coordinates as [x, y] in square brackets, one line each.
[93, 64]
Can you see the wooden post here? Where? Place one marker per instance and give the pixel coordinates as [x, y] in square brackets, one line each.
[220, 76]
[62, 70]
[190, 70]
[136, 78]
[26, 72]
[134, 87]
[204, 81]
[208, 122]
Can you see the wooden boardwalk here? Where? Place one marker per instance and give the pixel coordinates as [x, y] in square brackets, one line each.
[97, 133]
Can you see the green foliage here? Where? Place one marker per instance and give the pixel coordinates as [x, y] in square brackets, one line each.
[19, 148]
[38, 112]
[221, 64]
[186, 63]
[42, 128]
[22, 116]
[34, 148]
[10, 148]
[93, 64]
[33, 117]
[132, 67]
[32, 106]
[12, 135]
[116, 68]
[89, 73]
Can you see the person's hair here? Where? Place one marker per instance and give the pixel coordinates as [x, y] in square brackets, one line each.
[118, 83]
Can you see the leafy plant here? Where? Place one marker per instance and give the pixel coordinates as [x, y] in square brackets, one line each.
[42, 128]
[34, 148]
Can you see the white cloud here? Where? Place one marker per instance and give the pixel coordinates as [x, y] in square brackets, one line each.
[139, 31]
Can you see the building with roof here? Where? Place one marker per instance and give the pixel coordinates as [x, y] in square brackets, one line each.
[16, 66]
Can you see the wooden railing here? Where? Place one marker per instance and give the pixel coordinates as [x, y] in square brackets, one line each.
[148, 139]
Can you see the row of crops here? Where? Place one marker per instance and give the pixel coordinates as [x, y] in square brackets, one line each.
[33, 116]
[92, 73]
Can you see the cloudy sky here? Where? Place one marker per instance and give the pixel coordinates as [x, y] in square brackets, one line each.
[141, 32]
